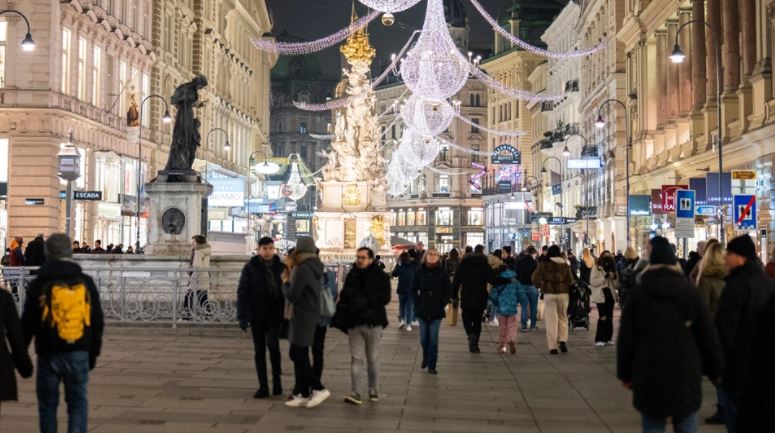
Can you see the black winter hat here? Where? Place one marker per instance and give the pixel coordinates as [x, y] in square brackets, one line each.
[742, 246]
[662, 252]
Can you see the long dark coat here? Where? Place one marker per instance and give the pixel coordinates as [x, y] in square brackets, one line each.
[15, 356]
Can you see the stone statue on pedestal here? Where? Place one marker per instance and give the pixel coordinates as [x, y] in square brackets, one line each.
[185, 134]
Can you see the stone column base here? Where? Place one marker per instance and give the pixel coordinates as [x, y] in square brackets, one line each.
[175, 216]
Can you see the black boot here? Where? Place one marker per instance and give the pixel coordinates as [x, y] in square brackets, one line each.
[277, 386]
[471, 344]
[717, 418]
[476, 344]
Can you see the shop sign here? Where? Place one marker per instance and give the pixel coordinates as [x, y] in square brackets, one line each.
[712, 185]
[506, 154]
[34, 201]
[587, 212]
[504, 186]
[443, 230]
[745, 211]
[536, 236]
[700, 189]
[591, 163]
[668, 196]
[640, 205]
[87, 195]
[556, 221]
[109, 211]
[656, 201]
[535, 216]
[227, 191]
[571, 220]
[744, 174]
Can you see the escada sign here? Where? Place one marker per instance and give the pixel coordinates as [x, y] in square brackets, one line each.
[88, 195]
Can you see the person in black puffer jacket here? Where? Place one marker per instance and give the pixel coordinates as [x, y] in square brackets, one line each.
[405, 270]
[260, 305]
[667, 342]
[361, 313]
[431, 291]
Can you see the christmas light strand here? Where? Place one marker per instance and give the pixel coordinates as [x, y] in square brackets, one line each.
[333, 104]
[447, 172]
[532, 48]
[395, 59]
[322, 136]
[511, 92]
[497, 132]
[298, 48]
[389, 6]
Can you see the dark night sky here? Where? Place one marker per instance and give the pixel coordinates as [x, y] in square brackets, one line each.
[312, 19]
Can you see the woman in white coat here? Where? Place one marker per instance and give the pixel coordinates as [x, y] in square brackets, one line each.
[199, 281]
[604, 283]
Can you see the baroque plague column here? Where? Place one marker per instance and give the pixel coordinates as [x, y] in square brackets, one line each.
[353, 209]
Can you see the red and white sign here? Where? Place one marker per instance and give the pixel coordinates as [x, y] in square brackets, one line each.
[668, 196]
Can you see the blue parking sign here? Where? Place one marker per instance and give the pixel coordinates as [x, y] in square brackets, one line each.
[684, 203]
[744, 206]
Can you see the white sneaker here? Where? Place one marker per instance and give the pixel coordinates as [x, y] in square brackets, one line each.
[318, 397]
[493, 322]
[415, 323]
[610, 343]
[297, 401]
[401, 324]
[600, 344]
[408, 328]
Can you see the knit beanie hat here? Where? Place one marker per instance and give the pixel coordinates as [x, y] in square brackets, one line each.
[742, 246]
[305, 244]
[662, 252]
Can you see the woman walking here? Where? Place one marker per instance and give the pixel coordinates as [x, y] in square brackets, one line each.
[554, 277]
[404, 271]
[667, 341]
[504, 299]
[198, 281]
[431, 290]
[586, 265]
[603, 284]
[14, 354]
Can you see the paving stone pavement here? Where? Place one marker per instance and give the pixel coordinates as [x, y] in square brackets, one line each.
[191, 380]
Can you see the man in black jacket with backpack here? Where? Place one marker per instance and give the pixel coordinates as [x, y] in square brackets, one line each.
[260, 305]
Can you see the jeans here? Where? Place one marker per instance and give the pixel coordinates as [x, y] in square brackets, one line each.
[508, 329]
[72, 368]
[318, 346]
[530, 297]
[605, 322]
[406, 308]
[727, 400]
[688, 424]
[556, 318]
[364, 357]
[429, 340]
[472, 322]
[266, 334]
[302, 369]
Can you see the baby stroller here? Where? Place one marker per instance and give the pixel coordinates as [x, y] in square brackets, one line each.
[578, 308]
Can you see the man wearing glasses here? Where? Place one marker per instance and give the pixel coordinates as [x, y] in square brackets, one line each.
[362, 315]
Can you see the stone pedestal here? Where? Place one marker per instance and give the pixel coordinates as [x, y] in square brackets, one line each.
[175, 216]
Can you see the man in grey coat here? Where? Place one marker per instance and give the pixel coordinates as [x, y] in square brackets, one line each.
[302, 291]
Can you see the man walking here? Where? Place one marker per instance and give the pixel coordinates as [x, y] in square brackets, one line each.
[361, 314]
[35, 254]
[63, 313]
[746, 292]
[528, 295]
[470, 286]
[260, 306]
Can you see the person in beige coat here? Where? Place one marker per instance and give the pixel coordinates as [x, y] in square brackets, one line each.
[198, 280]
[711, 274]
[554, 277]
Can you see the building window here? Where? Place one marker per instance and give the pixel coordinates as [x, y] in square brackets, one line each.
[444, 216]
[303, 128]
[475, 156]
[3, 31]
[475, 126]
[475, 216]
[122, 88]
[96, 76]
[82, 69]
[145, 85]
[422, 217]
[410, 217]
[444, 153]
[444, 183]
[475, 100]
[401, 217]
[65, 61]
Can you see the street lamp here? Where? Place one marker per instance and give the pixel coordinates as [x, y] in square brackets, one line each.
[266, 168]
[27, 43]
[678, 56]
[601, 123]
[166, 118]
[69, 170]
[586, 150]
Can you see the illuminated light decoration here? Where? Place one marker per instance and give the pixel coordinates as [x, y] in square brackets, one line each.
[390, 5]
[475, 179]
[395, 59]
[503, 89]
[532, 48]
[418, 150]
[322, 136]
[334, 104]
[447, 172]
[298, 48]
[515, 133]
[467, 150]
[427, 118]
[434, 69]
[294, 189]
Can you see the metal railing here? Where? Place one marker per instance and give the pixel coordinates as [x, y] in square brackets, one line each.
[151, 295]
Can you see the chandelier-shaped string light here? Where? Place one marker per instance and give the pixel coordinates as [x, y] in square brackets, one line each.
[434, 69]
[298, 48]
[390, 5]
[427, 118]
[532, 48]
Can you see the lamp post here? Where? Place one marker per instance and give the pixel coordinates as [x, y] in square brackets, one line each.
[678, 56]
[544, 171]
[600, 123]
[205, 206]
[69, 170]
[166, 119]
[27, 43]
[266, 168]
[585, 151]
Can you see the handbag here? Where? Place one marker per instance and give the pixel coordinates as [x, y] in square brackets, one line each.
[540, 310]
[452, 313]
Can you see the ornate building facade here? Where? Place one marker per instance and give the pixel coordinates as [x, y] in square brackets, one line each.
[93, 61]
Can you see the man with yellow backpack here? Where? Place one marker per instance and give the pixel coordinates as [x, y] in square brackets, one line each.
[62, 311]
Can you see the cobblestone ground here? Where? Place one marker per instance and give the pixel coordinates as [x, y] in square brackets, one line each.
[194, 380]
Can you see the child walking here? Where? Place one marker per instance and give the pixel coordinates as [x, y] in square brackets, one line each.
[504, 300]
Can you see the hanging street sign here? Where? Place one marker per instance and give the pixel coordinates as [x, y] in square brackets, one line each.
[706, 210]
[743, 174]
[640, 205]
[745, 210]
[506, 154]
[684, 213]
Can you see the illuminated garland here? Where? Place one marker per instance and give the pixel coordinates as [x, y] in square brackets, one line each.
[490, 130]
[390, 5]
[333, 104]
[508, 91]
[532, 48]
